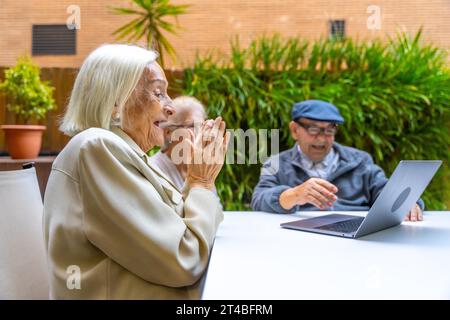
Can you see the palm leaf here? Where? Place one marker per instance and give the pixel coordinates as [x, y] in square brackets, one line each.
[128, 28]
[150, 24]
[126, 11]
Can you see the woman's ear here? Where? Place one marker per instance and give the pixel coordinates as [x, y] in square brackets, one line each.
[116, 113]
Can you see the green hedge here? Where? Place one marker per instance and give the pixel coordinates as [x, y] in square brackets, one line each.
[394, 96]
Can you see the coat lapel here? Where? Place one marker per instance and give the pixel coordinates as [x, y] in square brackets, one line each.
[295, 161]
[345, 164]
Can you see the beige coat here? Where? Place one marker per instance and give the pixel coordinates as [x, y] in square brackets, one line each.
[128, 229]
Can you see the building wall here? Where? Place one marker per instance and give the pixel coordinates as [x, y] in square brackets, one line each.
[211, 24]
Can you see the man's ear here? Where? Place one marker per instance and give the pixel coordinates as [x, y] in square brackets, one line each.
[293, 127]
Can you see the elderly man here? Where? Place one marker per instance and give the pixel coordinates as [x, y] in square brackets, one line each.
[189, 111]
[318, 173]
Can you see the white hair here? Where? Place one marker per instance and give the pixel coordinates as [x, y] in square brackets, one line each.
[190, 104]
[107, 78]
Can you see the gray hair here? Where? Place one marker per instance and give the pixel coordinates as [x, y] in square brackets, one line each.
[188, 103]
[107, 78]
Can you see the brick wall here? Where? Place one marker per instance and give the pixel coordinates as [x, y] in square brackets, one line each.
[210, 24]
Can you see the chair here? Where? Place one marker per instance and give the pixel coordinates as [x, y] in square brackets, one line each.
[23, 262]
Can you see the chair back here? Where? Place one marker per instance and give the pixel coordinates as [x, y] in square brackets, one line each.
[23, 261]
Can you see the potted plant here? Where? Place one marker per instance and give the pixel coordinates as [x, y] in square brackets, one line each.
[30, 99]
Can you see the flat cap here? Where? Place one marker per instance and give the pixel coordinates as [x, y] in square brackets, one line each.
[316, 110]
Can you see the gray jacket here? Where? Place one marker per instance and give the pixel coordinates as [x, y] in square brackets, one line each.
[358, 179]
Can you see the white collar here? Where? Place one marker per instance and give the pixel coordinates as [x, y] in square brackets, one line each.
[306, 161]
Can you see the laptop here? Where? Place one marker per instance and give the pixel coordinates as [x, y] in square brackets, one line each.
[398, 196]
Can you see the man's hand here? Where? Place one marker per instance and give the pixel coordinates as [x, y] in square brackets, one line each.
[318, 192]
[415, 214]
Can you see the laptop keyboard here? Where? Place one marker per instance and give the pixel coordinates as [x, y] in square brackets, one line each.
[346, 226]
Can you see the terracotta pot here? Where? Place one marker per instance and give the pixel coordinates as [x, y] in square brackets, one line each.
[23, 141]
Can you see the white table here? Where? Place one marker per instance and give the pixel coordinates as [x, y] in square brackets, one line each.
[254, 258]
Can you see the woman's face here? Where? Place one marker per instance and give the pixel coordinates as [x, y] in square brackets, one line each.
[148, 107]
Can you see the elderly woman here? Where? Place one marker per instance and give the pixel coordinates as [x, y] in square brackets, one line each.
[115, 228]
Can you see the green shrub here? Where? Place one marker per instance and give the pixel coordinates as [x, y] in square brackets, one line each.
[28, 96]
[394, 95]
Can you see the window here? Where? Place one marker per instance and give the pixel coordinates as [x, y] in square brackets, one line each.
[337, 29]
[54, 39]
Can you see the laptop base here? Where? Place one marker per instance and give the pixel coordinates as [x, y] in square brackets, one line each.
[339, 225]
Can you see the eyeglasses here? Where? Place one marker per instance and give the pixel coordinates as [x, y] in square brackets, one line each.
[315, 131]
